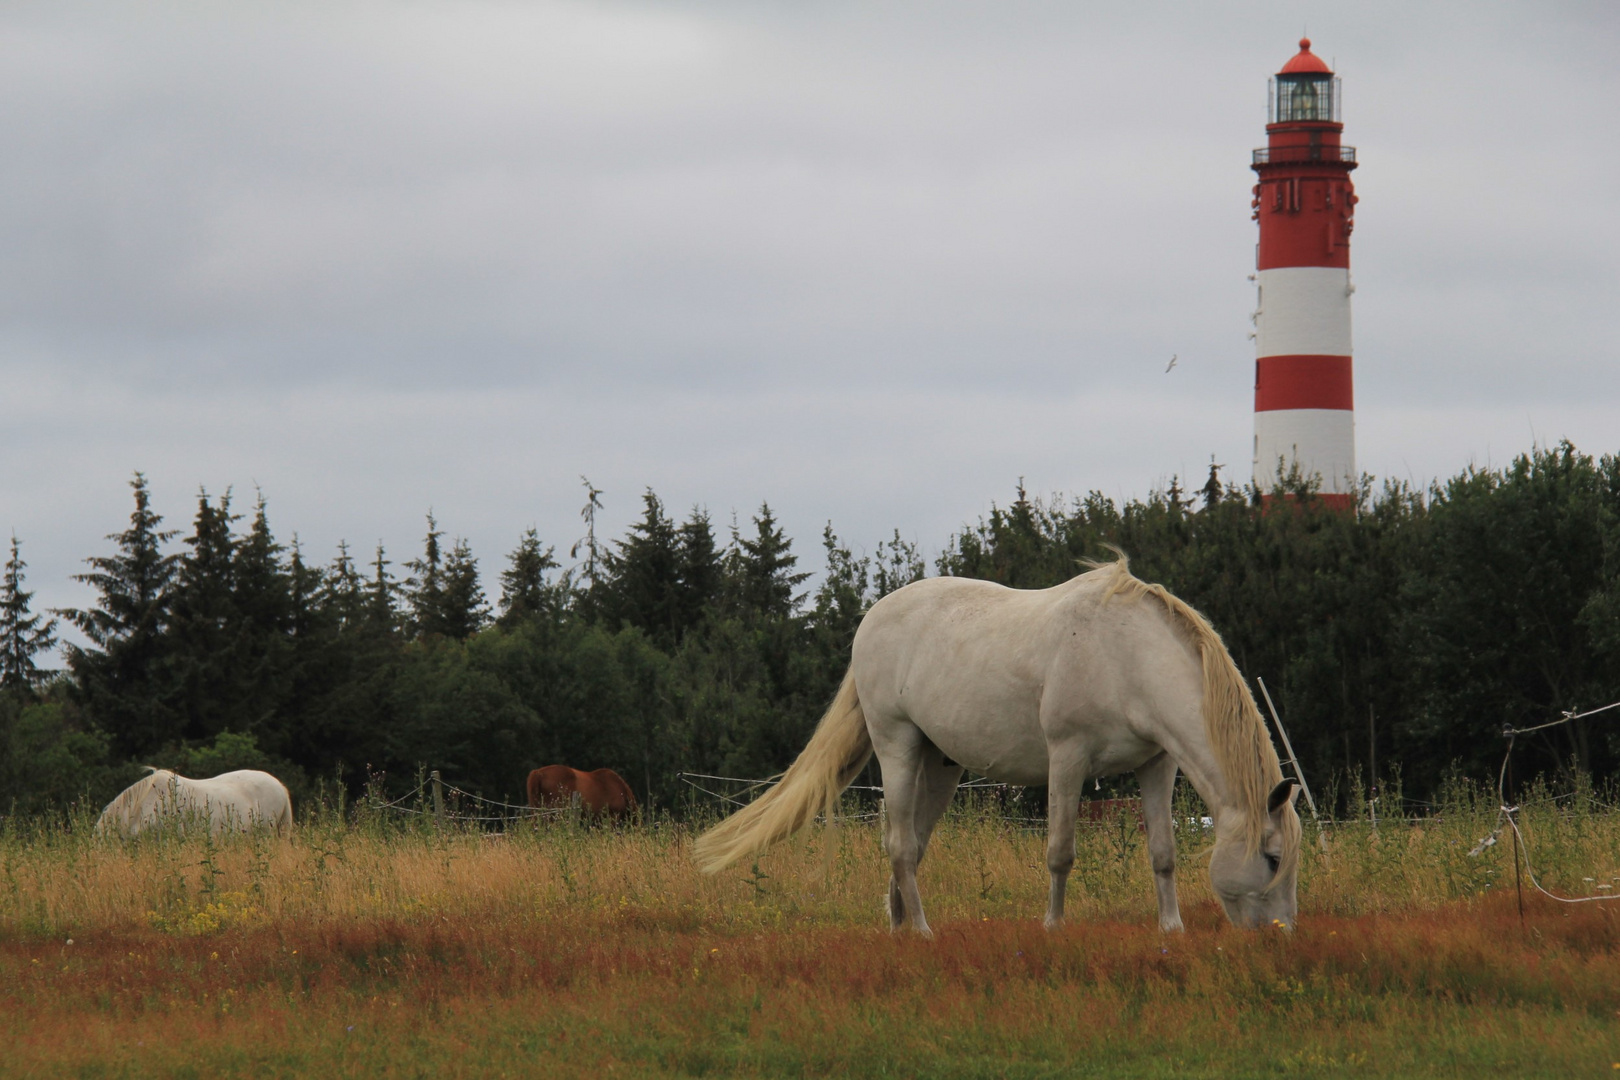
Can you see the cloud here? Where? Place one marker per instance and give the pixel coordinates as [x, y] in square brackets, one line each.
[871, 263]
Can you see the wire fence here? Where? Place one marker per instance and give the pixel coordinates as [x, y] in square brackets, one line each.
[447, 804]
[1507, 814]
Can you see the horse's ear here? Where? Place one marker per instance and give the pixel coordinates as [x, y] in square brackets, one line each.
[1285, 792]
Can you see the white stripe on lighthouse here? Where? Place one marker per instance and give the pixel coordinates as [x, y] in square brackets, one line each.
[1304, 311]
[1321, 440]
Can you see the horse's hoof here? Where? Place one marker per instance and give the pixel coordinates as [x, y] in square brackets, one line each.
[1051, 923]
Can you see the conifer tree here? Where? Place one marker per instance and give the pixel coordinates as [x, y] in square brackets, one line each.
[306, 585]
[640, 577]
[116, 676]
[701, 570]
[382, 614]
[424, 589]
[525, 592]
[343, 591]
[462, 609]
[22, 634]
[206, 653]
[844, 592]
[764, 577]
[261, 586]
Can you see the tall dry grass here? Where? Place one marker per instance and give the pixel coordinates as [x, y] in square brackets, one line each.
[58, 879]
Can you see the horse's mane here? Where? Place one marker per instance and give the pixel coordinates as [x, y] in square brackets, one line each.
[1232, 721]
[135, 794]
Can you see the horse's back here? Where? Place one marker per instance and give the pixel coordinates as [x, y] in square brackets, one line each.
[981, 668]
[616, 796]
[552, 785]
[254, 796]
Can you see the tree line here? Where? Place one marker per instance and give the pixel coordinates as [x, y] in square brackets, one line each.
[1397, 640]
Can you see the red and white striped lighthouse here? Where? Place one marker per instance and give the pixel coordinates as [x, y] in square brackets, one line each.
[1304, 407]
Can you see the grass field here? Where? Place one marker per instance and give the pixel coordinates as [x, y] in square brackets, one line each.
[367, 949]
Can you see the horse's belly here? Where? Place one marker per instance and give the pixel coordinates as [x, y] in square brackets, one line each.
[997, 735]
[1010, 757]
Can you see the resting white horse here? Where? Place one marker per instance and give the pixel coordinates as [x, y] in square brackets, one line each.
[238, 801]
[1097, 676]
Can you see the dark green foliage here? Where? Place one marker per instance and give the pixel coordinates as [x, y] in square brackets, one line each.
[443, 592]
[525, 590]
[119, 678]
[23, 634]
[640, 580]
[51, 758]
[1396, 640]
[763, 579]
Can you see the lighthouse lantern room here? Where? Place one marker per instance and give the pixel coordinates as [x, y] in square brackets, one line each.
[1305, 203]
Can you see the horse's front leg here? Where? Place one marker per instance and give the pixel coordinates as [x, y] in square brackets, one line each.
[1158, 781]
[1065, 781]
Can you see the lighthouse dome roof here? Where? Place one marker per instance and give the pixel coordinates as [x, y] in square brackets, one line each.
[1305, 62]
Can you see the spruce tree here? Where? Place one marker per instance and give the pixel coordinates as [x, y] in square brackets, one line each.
[763, 576]
[342, 591]
[462, 609]
[22, 634]
[206, 653]
[525, 592]
[640, 578]
[700, 571]
[382, 613]
[117, 676]
[424, 589]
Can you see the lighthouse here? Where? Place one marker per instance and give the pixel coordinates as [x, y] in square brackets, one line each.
[1304, 405]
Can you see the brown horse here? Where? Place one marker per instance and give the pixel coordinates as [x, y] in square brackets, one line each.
[600, 792]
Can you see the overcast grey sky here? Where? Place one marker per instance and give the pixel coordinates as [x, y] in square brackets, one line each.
[872, 262]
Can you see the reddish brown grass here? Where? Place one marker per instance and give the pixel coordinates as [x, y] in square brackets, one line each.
[649, 992]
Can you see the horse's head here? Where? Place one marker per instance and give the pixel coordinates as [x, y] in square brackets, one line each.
[141, 804]
[1258, 885]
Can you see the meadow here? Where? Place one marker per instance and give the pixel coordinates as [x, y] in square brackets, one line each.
[375, 945]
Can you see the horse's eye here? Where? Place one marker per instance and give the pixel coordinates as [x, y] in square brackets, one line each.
[1274, 862]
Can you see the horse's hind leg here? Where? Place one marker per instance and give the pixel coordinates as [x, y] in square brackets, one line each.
[904, 786]
[937, 785]
[1158, 781]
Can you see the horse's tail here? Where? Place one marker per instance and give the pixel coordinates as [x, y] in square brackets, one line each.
[834, 757]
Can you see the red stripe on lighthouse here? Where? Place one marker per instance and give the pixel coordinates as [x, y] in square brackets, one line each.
[1303, 382]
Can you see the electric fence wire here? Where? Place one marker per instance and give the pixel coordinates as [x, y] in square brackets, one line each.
[1506, 812]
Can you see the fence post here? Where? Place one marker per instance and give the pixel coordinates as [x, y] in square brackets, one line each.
[1293, 758]
[438, 801]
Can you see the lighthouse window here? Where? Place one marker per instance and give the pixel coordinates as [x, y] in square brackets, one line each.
[1309, 98]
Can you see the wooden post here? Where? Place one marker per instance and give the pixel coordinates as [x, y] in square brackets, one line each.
[438, 801]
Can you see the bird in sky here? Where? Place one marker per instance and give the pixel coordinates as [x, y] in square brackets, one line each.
[1171, 364]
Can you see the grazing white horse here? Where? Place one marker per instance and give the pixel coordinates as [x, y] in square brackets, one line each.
[1100, 675]
[238, 801]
